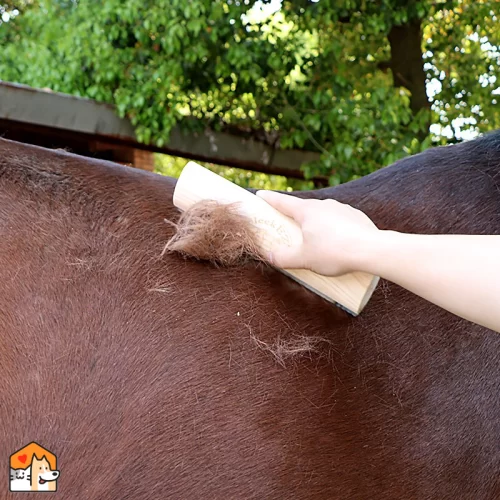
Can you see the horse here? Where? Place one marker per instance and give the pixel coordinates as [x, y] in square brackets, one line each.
[150, 375]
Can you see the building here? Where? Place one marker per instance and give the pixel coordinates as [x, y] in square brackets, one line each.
[91, 128]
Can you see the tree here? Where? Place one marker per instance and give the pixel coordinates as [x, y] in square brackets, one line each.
[346, 78]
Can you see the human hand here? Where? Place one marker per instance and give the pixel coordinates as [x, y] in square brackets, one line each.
[336, 236]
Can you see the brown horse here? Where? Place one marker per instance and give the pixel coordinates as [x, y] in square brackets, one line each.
[155, 377]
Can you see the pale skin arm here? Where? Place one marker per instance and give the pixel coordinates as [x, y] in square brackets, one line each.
[460, 273]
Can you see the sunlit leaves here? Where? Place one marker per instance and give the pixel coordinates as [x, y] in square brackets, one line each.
[462, 44]
[309, 76]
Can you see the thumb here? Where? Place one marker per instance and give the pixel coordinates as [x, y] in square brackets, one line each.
[284, 203]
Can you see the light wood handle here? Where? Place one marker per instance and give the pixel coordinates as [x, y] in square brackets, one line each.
[196, 183]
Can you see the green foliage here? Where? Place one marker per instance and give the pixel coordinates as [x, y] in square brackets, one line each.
[308, 76]
[465, 47]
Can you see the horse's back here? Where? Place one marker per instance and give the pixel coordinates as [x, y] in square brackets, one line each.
[152, 376]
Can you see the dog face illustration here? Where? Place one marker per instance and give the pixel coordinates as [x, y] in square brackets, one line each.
[42, 476]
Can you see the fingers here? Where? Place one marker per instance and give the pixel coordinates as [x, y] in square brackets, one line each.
[287, 257]
[283, 256]
[284, 203]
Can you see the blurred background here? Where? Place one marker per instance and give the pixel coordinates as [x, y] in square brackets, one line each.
[281, 94]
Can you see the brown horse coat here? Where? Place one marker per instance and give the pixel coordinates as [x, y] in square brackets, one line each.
[157, 377]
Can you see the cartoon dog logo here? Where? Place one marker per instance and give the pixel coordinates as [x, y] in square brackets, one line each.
[33, 468]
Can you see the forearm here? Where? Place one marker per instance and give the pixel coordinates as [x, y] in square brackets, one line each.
[460, 273]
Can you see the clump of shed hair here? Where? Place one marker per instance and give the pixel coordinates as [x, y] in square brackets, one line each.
[219, 233]
[293, 348]
[215, 232]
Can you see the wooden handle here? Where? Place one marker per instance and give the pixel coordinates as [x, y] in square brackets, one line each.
[196, 183]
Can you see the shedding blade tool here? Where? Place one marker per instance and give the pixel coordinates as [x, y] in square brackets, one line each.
[350, 291]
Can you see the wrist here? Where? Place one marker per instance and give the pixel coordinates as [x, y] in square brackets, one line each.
[377, 251]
